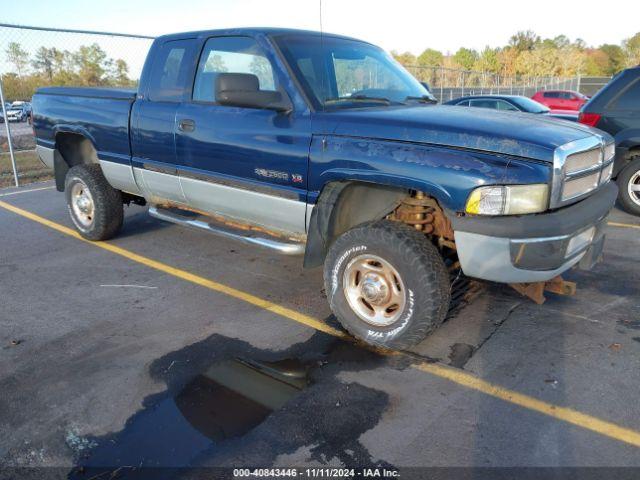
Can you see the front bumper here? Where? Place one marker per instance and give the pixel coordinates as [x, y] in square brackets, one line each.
[534, 248]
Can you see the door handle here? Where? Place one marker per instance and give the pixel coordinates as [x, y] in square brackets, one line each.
[186, 125]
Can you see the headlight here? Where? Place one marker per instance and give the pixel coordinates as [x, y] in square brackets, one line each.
[508, 200]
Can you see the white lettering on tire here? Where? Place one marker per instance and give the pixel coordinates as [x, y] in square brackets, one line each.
[399, 328]
[336, 269]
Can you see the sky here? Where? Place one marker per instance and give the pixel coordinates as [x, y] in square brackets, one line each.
[402, 25]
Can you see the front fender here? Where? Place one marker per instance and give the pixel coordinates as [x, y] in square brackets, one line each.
[447, 174]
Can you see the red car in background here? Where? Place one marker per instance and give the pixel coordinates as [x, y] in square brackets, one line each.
[561, 99]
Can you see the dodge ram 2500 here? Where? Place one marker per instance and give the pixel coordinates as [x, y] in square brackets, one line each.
[324, 146]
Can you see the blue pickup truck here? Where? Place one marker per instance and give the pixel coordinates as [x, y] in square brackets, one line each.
[324, 146]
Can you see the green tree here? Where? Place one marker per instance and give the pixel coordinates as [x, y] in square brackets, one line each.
[430, 58]
[18, 56]
[406, 58]
[43, 62]
[466, 58]
[261, 68]
[92, 64]
[524, 41]
[632, 50]
[616, 58]
[488, 61]
[215, 63]
[120, 73]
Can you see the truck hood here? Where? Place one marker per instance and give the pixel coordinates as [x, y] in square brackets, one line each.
[508, 133]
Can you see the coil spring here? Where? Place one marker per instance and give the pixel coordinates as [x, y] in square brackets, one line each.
[416, 211]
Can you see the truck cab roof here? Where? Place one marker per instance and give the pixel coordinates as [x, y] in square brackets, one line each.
[251, 32]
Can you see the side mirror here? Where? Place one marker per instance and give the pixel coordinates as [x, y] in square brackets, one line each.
[243, 90]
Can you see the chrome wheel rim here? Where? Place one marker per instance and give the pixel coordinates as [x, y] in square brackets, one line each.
[374, 290]
[82, 204]
[634, 188]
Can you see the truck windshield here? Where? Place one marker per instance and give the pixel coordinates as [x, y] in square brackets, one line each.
[342, 73]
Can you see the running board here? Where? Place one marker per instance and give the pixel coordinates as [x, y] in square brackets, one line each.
[280, 247]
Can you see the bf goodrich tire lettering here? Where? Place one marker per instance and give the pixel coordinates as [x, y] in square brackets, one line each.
[404, 290]
[95, 206]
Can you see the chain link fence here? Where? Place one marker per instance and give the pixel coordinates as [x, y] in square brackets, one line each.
[33, 57]
[449, 83]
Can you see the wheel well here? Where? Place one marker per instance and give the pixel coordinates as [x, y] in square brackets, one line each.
[343, 205]
[71, 149]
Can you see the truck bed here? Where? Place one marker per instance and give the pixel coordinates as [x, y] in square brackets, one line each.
[99, 114]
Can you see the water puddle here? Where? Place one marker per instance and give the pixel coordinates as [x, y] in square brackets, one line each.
[226, 401]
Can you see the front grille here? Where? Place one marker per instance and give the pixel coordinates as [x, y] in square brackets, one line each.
[580, 167]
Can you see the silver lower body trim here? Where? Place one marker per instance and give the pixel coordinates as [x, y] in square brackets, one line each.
[120, 176]
[280, 247]
[257, 208]
[46, 155]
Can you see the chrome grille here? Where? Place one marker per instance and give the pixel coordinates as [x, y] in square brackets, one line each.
[583, 161]
[580, 167]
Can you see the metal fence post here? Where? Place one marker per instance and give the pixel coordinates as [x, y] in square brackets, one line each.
[578, 82]
[9, 142]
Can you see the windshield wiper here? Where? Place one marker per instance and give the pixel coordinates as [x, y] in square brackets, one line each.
[359, 98]
[421, 99]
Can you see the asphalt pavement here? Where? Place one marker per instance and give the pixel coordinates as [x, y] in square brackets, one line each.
[112, 355]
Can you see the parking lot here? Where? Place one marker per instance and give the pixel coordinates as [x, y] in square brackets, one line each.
[100, 342]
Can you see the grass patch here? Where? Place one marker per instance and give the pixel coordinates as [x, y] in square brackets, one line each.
[30, 169]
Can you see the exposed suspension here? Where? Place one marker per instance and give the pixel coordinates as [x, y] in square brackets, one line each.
[425, 215]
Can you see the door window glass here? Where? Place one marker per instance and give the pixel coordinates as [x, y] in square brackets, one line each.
[484, 103]
[502, 105]
[232, 55]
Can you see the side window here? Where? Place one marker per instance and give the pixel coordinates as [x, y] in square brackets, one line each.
[483, 103]
[232, 55]
[551, 95]
[502, 105]
[464, 103]
[170, 69]
[629, 99]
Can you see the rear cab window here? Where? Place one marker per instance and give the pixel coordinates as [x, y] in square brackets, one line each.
[170, 71]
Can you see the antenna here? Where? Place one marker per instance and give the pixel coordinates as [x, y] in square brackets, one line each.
[324, 70]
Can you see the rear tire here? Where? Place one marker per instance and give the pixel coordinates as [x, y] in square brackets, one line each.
[387, 284]
[629, 187]
[95, 206]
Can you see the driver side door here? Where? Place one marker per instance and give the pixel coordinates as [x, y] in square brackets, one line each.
[246, 164]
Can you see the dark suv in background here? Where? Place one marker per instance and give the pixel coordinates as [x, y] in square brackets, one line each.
[616, 110]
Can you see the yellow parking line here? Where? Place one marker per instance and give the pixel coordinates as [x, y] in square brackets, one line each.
[565, 414]
[464, 379]
[187, 276]
[623, 225]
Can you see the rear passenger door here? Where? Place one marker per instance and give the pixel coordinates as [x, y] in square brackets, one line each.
[153, 121]
[244, 163]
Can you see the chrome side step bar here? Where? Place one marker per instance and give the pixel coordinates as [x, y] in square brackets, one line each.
[280, 247]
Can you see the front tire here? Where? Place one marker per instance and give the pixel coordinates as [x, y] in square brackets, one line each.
[629, 187]
[95, 206]
[387, 284]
